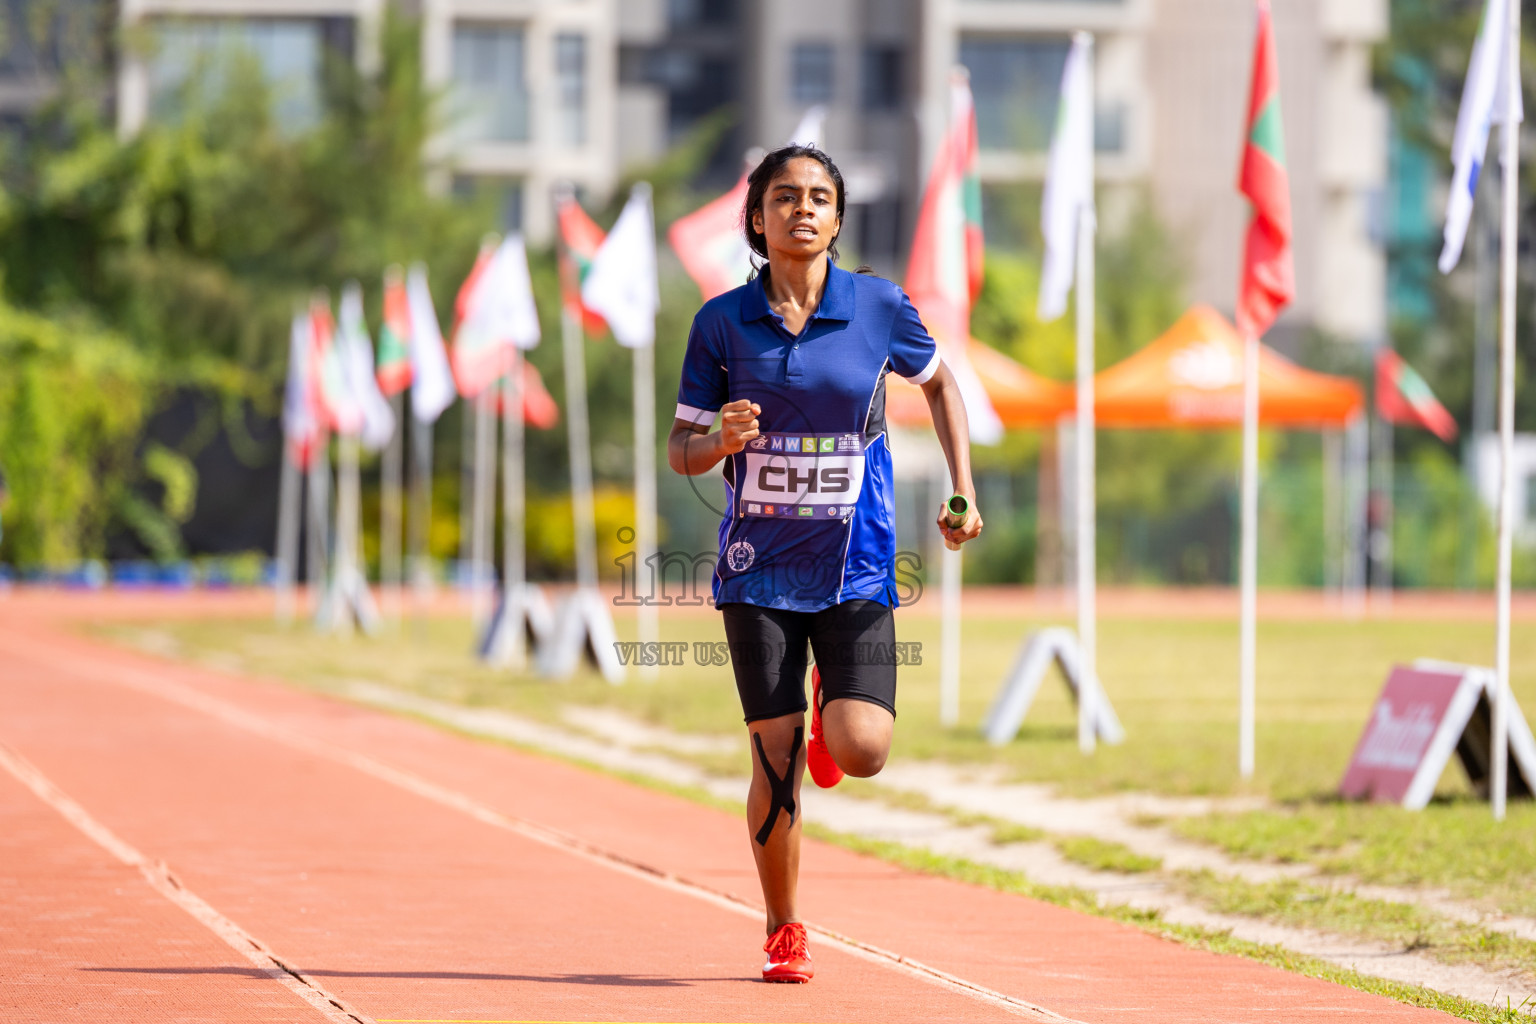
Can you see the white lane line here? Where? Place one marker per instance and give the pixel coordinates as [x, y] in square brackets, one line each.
[160, 878]
[234, 715]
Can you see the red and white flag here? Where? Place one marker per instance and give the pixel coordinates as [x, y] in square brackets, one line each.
[495, 311]
[710, 244]
[1269, 277]
[944, 272]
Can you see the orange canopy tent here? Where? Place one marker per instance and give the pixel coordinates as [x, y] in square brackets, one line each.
[1192, 376]
[1021, 397]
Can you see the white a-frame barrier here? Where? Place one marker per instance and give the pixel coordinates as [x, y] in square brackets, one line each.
[1056, 645]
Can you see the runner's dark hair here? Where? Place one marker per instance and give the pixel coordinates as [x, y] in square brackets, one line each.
[757, 186]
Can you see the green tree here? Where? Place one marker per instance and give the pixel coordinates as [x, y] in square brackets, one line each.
[73, 401]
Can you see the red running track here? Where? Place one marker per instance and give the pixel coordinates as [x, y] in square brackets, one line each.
[171, 839]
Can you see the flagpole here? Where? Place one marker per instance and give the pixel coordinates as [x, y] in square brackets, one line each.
[1509, 241]
[484, 503]
[341, 602]
[950, 578]
[1087, 554]
[391, 472]
[1087, 593]
[512, 652]
[468, 459]
[1385, 516]
[647, 626]
[319, 520]
[287, 536]
[420, 525]
[571, 342]
[1066, 493]
[1333, 563]
[1250, 551]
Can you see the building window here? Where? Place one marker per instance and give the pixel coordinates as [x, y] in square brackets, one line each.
[1109, 127]
[503, 197]
[1016, 83]
[881, 76]
[685, 14]
[810, 73]
[571, 87]
[490, 83]
[202, 57]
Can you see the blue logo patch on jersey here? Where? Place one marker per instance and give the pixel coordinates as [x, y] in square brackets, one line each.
[791, 444]
[739, 556]
[776, 444]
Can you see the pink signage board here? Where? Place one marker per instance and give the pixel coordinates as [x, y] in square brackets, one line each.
[1412, 732]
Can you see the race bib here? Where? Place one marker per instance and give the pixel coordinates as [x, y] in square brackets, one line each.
[802, 476]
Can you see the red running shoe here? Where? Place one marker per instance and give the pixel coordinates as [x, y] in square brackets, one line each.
[788, 957]
[824, 771]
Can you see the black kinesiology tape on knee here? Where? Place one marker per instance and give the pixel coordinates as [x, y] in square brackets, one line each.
[783, 789]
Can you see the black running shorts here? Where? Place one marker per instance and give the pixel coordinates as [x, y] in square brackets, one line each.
[854, 644]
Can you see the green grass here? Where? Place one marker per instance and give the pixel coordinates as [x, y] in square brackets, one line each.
[1173, 683]
[1105, 856]
[1395, 924]
[1006, 832]
[1454, 845]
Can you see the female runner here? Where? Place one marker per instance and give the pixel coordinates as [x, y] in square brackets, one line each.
[794, 362]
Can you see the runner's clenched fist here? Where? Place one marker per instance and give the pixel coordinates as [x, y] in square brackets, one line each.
[738, 424]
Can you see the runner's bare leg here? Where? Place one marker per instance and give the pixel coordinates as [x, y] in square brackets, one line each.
[858, 735]
[778, 858]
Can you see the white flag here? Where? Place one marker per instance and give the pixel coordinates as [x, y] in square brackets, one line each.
[378, 420]
[621, 284]
[299, 426]
[1485, 100]
[1069, 179]
[501, 307]
[432, 388]
[810, 129]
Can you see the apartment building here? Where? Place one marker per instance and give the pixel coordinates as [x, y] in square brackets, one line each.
[1171, 78]
[41, 45]
[530, 86]
[543, 91]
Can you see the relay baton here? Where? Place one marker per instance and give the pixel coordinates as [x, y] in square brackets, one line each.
[954, 512]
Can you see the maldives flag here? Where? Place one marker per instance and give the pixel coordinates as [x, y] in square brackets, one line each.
[580, 239]
[1402, 397]
[539, 408]
[473, 359]
[394, 365]
[1269, 279]
[301, 429]
[338, 409]
[944, 272]
[710, 243]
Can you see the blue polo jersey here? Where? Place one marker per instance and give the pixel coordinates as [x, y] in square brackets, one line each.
[809, 515]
